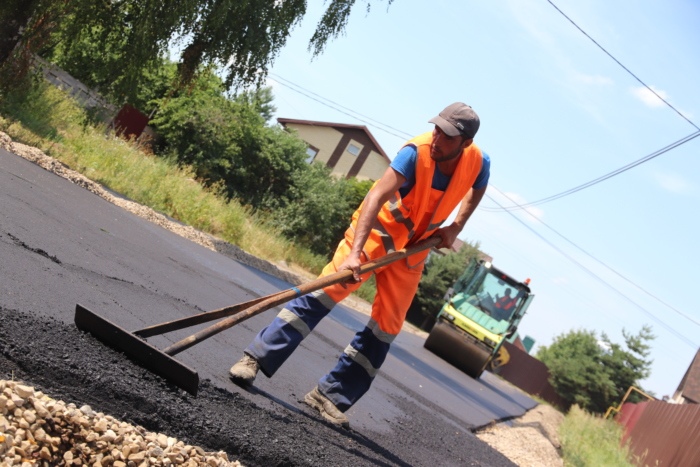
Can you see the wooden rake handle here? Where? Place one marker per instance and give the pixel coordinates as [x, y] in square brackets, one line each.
[303, 289]
[200, 318]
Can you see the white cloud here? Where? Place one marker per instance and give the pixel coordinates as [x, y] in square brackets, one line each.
[649, 98]
[673, 183]
[514, 198]
[594, 80]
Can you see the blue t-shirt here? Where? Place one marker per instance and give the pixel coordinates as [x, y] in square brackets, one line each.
[405, 164]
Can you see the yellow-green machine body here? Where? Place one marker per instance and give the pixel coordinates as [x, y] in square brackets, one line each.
[483, 309]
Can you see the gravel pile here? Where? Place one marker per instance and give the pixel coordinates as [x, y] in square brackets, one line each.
[529, 441]
[38, 430]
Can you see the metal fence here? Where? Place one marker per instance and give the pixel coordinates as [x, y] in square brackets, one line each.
[530, 375]
[662, 434]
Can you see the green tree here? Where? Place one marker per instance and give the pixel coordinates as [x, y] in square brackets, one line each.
[226, 140]
[14, 16]
[227, 143]
[25, 28]
[241, 37]
[358, 189]
[333, 23]
[595, 373]
[631, 365]
[98, 64]
[440, 274]
[318, 207]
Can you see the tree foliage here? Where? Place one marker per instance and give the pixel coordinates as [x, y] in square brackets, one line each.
[333, 23]
[318, 208]
[25, 28]
[240, 37]
[119, 48]
[227, 142]
[595, 373]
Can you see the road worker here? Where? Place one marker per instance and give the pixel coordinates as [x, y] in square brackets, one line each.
[504, 306]
[430, 176]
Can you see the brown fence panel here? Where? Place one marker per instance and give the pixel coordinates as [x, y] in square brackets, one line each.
[530, 375]
[664, 435]
[130, 122]
[629, 416]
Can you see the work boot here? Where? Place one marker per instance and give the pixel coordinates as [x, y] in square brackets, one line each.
[328, 410]
[244, 371]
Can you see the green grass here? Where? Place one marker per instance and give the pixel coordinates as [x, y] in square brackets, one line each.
[589, 440]
[43, 116]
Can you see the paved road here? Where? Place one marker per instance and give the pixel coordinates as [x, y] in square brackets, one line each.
[82, 249]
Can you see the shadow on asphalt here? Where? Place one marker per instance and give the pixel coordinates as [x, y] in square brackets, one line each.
[304, 410]
[450, 383]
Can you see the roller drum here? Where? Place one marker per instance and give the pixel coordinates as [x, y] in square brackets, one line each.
[458, 348]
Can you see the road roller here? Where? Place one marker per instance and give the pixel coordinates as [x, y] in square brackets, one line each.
[482, 310]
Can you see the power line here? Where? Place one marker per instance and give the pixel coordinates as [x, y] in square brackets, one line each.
[689, 318]
[524, 206]
[320, 99]
[597, 277]
[403, 135]
[657, 153]
[621, 169]
[623, 66]
[599, 179]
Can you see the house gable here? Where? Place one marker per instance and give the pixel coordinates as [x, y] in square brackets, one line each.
[689, 388]
[349, 150]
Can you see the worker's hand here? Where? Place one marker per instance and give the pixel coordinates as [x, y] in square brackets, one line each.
[448, 235]
[352, 262]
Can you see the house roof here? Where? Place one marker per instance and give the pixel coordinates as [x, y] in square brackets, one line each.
[690, 384]
[285, 121]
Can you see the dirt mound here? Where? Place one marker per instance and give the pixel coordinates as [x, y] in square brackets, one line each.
[531, 440]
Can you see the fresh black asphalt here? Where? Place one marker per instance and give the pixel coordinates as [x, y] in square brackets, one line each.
[61, 245]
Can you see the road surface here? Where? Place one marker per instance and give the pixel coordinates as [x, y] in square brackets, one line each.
[61, 245]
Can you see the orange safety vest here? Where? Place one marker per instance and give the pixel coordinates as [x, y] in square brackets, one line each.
[506, 303]
[404, 221]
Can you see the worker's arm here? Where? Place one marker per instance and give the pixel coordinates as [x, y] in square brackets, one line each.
[390, 182]
[469, 203]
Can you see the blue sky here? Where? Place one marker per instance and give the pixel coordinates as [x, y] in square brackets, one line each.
[557, 112]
